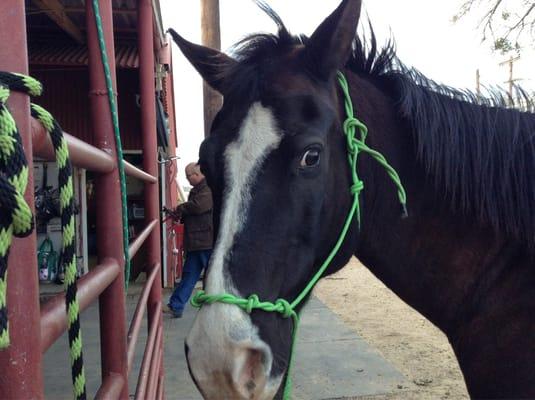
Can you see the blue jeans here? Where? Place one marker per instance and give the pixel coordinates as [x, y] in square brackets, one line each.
[196, 261]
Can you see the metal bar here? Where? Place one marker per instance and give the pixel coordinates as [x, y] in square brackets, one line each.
[159, 390]
[138, 242]
[111, 387]
[154, 371]
[90, 286]
[161, 369]
[131, 170]
[81, 153]
[159, 34]
[20, 363]
[150, 152]
[165, 239]
[174, 189]
[135, 325]
[108, 195]
[142, 381]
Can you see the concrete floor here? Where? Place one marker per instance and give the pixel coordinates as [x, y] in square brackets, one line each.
[332, 361]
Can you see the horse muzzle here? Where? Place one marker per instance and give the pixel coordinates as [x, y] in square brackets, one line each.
[227, 359]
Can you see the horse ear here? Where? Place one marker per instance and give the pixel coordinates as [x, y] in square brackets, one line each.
[330, 45]
[210, 63]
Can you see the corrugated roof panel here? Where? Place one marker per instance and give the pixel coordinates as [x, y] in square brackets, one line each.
[126, 56]
[66, 97]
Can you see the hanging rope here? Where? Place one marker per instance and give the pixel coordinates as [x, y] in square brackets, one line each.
[118, 144]
[15, 171]
[354, 147]
[16, 218]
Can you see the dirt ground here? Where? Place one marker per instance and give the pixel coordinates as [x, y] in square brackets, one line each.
[406, 339]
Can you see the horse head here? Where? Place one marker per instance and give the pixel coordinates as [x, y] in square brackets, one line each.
[276, 162]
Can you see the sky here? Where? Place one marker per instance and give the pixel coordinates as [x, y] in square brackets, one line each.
[425, 36]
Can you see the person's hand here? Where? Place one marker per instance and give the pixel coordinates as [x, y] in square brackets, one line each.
[174, 214]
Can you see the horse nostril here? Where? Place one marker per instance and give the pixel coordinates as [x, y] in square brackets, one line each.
[251, 371]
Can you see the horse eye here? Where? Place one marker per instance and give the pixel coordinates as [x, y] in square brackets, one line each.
[311, 158]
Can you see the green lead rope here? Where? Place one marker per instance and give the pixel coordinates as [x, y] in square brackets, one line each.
[354, 147]
[117, 134]
[19, 220]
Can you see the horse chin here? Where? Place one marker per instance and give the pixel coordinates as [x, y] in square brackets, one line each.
[225, 390]
[219, 385]
[272, 387]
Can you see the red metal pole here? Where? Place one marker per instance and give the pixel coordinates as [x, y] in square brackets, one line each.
[111, 387]
[135, 325]
[109, 221]
[134, 171]
[148, 131]
[172, 192]
[81, 154]
[144, 371]
[154, 372]
[159, 392]
[135, 245]
[20, 364]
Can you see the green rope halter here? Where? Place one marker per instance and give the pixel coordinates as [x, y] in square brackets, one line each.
[286, 309]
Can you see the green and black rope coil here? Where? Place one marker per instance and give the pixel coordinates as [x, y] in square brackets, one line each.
[18, 176]
[16, 218]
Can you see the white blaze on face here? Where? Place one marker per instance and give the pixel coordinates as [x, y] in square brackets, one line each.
[258, 136]
[222, 336]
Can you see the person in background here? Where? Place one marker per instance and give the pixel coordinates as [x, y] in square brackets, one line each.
[196, 214]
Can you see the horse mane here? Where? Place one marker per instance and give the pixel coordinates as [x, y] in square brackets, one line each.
[477, 150]
[480, 151]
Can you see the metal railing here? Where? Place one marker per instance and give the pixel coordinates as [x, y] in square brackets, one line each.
[21, 363]
[90, 286]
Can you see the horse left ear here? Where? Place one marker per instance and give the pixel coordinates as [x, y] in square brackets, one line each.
[213, 65]
[329, 47]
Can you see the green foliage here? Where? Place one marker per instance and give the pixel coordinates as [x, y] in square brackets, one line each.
[509, 25]
[505, 46]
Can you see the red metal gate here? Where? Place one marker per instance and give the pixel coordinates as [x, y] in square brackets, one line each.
[21, 363]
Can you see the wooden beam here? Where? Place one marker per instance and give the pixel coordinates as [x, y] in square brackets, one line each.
[211, 37]
[56, 12]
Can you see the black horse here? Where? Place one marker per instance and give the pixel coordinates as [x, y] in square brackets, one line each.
[276, 160]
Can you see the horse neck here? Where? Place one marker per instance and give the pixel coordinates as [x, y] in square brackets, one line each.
[434, 258]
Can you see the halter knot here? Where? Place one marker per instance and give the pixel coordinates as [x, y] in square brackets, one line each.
[198, 299]
[285, 308]
[351, 123]
[357, 187]
[252, 302]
